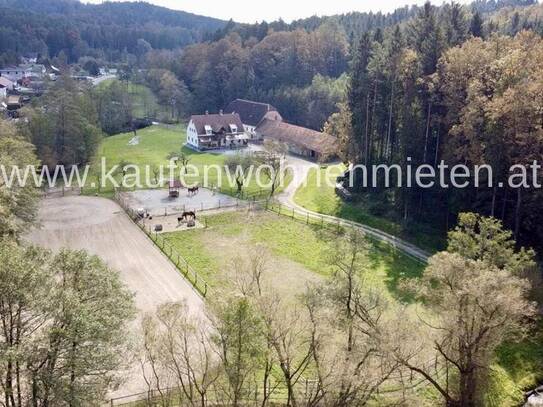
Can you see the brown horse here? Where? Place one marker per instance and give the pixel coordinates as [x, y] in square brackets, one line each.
[193, 190]
[186, 215]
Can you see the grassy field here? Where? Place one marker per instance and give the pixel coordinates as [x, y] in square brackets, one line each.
[295, 247]
[144, 101]
[155, 144]
[299, 254]
[321, 197]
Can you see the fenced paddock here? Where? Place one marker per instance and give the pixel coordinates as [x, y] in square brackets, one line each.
[59, 192]
[182, 265]
[157, 202]
[100, 227]
[305, 390]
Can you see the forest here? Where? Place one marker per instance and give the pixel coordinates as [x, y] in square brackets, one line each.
[108, 31]
[429, 84]
[421, 85]
[461, 95]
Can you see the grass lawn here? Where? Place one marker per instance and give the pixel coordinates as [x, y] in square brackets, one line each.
[518, 368]
[321, 197]
[295, 247]
[155, 144]
[144, 101]
[300, 251]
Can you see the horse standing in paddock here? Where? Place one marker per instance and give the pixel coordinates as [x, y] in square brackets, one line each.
[185, 216]
[193, 190]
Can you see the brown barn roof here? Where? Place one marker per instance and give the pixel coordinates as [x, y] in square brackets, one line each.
[251, 113]
[321, 143]
[216, 121]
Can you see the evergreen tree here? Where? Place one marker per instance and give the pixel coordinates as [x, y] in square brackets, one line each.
[476, 25]
[359, 100]
[427, 38]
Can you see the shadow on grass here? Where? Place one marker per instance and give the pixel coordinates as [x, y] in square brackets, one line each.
[396, 266]
[523, 360]
[423, 236]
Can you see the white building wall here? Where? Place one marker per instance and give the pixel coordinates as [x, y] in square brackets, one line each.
[249, 130]
[192, 135]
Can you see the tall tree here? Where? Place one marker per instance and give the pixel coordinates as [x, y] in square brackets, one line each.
[64, 322]
[476, 25]
[18, 201]
[239, 339]
[476, 299]
[360, 101]
[477, 307]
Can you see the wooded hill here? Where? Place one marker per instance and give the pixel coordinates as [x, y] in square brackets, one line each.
[104, 30]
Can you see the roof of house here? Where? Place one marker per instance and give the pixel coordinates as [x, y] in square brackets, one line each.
[251, 113]
[21, 68]
[13, 100]
[5, 82]
[288, 133]
[217, 122]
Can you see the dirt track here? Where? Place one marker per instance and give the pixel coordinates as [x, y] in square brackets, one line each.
[100, 226]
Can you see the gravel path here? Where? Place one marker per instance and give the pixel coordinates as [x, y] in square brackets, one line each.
[301, 169]
[100, 226]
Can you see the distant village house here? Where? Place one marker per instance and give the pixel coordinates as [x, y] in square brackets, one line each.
[15, 73]
[5, 86]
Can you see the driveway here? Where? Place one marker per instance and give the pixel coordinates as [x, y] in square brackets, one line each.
[300, 168]
[100, 226]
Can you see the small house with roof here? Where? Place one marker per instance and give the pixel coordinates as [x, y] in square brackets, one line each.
[6, 86]
[252, 114]
[215, 131]
[15, 73]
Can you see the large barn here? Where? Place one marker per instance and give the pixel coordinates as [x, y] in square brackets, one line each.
[300, 140]
[252, 113]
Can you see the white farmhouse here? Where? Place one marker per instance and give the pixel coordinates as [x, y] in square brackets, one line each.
[252, 114]
[213, 131]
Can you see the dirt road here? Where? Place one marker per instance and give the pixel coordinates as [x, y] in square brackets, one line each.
[301, 170]
[101, 227]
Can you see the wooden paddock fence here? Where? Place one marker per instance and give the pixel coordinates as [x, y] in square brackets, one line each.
[59, 192]
[184, 267]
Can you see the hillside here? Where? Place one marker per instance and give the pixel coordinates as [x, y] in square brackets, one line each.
[52, 26]
[354, 23]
